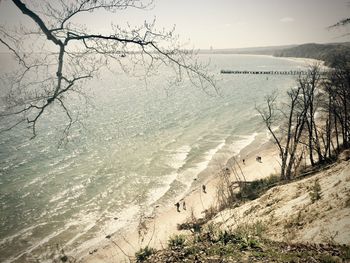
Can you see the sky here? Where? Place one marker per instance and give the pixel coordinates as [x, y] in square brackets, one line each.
[226, 23]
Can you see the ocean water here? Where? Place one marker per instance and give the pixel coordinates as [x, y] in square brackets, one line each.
[140, 145]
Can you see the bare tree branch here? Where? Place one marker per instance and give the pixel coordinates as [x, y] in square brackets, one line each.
[78, 54]
[343, 22]
[21, 6]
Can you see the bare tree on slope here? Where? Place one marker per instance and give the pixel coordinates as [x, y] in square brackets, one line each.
[292, 118]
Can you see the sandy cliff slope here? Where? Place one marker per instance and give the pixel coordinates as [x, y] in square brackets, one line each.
[289, 214]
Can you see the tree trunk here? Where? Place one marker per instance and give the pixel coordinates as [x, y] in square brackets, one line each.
[336, 131]
[311, 157]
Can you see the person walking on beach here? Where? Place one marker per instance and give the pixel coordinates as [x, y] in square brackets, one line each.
[204, 188]
[244, 161]
[177, 206]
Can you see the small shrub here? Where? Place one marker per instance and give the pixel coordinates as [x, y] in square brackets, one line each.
[249, 243]
[64, 258]
[346, 252]
[211, 232]
[212, 228]
[144, 253]
[256, 229]
[329, 259]
[192, 250]
[315, 192]
[296, 221]
[255, 188]
[243, 245]
[210, 213]
[259, 228]
[177, 241]
[254, 243]
[225, 237]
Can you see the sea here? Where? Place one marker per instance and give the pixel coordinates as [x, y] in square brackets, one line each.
[136, 143]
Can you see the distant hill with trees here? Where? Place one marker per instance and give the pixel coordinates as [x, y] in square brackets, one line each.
[330, 53]
[269, 50]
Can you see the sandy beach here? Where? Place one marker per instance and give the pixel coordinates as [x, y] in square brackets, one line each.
[157, 228]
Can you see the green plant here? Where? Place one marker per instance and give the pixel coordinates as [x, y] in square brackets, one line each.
[211, 232]
[259, 228]
[225, 237]
[144, 253]
[254, 189]
[177, 241]
[329, 259]
[243, 245]
[253, 243]
[315, 192]
[256, 229]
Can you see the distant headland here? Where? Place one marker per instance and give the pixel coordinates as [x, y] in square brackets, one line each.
[329, 53]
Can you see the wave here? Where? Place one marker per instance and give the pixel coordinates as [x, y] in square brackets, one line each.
[179, 182]
[178, 158]
[238, 145]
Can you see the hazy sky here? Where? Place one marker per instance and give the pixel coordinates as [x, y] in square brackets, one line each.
[228, 23]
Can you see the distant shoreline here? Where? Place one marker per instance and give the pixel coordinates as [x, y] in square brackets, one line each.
[328, 53]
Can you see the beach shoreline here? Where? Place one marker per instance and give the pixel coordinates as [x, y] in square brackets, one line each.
[155, 227]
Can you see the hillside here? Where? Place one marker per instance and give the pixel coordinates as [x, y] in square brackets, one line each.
[325, 52]
[307, 220]
[329, 53]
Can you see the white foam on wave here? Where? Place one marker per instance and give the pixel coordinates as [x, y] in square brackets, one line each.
[155, 194]
[87, 219]
[38, 244]
[186, 176]
[65, 165]
[69, 195]
[59, 196]
[177, 159]
[34, 181]
[23, 162]
[237, 146]
[190, 174]
[126, 219]
[20, 233]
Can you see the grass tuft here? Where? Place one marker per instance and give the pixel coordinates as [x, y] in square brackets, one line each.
[144, 253]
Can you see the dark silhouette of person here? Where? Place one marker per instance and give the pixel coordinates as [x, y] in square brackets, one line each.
[244, 161]
[177, 206]
[204, 188]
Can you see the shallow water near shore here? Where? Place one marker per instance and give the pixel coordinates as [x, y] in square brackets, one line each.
[141, 146]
